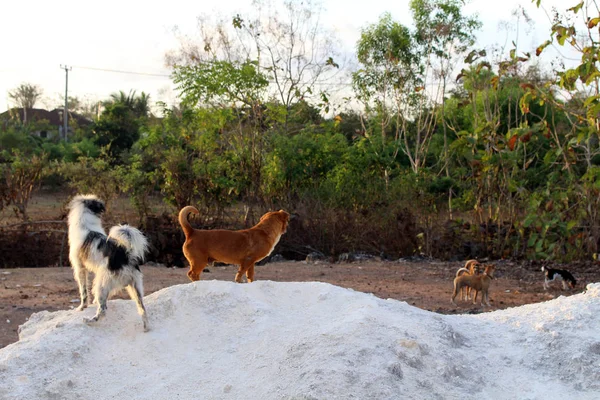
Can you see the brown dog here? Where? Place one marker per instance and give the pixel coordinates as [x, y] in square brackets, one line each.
[472, 267]
[480, 283]
[244, 247]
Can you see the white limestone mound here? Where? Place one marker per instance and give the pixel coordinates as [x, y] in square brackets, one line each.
[270, 340]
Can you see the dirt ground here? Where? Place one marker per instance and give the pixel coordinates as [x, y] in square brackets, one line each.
[427, 285]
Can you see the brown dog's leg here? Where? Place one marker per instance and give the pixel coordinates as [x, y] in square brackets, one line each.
[250, 274]
[196, 268]
[487, 299]
[193, 274]
[244, 267]
[238, 276]
[454, 292]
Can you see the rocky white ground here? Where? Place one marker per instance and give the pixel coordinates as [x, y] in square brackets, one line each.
[271, 340]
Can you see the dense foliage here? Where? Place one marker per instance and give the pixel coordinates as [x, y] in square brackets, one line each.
[502, 162]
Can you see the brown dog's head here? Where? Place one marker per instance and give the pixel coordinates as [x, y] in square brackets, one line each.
[489, 270]
[473, 266]
[282, 216]
[285, 219]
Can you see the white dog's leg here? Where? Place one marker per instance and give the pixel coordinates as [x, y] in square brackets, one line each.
[100, 312]
[136, 292]
[101, 292]
[80, 274]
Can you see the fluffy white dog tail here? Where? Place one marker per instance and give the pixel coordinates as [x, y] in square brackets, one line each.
[130, 238]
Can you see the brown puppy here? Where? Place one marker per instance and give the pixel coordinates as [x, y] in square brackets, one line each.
[480, 283]
[472, 267]
[244, 247]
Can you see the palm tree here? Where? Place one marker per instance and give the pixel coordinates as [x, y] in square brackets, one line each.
[138, 105]
[142, 104]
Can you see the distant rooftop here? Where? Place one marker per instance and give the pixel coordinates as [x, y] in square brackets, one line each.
[54, 117]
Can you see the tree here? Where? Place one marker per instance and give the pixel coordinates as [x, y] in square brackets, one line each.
[117, 129]
[287, 45]
[88, 108]
[25, 96]
[390, 85]
[138, 105]
[21, 177]
[579, 146]
[221, 84]
[445, 35]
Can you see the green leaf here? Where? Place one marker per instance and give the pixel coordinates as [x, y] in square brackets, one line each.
[529, 219]
[331, 62]
[513, 186]
[238, 22]
[549, 157]
[576, 8]
[593, 22]
[590, 99]
[532, 239]
[539, 246]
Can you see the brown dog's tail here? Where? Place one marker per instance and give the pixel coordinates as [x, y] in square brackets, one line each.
[183, 219]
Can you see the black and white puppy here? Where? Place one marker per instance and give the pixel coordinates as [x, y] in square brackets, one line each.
[567, 279]
[114, 259]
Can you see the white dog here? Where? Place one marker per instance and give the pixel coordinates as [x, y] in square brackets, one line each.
[114, 259]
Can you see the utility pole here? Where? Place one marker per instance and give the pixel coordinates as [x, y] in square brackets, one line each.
[66, 110]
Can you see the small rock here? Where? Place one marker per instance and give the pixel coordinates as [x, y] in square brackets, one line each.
[346, 257]
[150, 264]
[314, 256]
[277, 258]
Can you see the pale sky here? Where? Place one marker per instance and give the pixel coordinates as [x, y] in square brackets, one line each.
[132, 35]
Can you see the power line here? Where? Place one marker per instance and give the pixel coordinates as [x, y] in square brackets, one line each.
[123, 72]
[347, 84]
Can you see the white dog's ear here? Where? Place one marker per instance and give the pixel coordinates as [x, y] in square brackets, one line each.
[293, 216]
